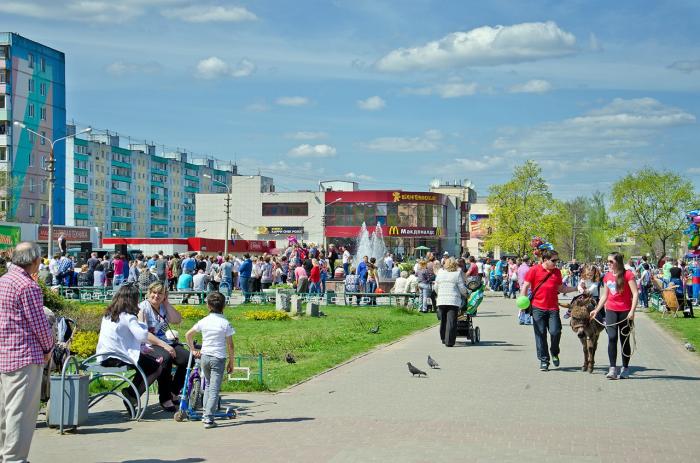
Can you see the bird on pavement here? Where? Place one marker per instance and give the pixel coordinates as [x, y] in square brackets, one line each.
[432, 363]
[415, 371]
[690, 347]
[374, 330]
[290, 358]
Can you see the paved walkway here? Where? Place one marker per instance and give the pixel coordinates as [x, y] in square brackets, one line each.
[489, 402]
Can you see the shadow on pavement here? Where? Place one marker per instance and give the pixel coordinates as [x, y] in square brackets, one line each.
[265, 421]
[158, 460]
[486, 344]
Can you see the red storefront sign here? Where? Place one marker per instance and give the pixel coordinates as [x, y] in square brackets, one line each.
[391, 231]
[69, 233]
[385, 196]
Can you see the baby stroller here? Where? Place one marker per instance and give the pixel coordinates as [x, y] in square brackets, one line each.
[192, 396]
[465, 319]
[63, 329]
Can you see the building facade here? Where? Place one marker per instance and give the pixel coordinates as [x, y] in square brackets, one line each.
[32, 92]
[133, 191]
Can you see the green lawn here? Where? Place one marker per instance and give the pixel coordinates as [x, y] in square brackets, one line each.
[685, 329]
[316, 343]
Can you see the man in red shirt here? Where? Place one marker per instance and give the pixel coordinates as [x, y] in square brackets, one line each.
[26, 341]
[542, 284]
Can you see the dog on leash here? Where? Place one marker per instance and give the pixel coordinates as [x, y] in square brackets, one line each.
[586, 329]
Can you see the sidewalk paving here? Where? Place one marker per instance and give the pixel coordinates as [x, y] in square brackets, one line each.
[488, 402]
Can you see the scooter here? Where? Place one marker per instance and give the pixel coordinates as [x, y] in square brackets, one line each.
[192, 395]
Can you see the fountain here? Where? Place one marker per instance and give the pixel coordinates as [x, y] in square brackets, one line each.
[370, 246]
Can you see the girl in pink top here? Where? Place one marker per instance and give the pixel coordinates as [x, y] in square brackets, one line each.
[619, 295]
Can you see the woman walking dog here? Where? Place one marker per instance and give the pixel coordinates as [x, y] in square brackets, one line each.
[619, 296]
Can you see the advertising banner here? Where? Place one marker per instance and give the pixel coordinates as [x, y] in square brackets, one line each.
[69, 233]
[280, 230]
[9, 236]
[477, 226]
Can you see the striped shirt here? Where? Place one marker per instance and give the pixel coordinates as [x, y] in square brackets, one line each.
[25, 333]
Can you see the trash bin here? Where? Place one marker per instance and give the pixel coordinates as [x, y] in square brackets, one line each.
[75, 401]
[330, 297]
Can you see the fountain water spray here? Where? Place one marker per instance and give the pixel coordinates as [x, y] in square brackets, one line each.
[370, 245]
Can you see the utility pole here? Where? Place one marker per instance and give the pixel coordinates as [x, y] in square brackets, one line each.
[573, 238]
[228, 215]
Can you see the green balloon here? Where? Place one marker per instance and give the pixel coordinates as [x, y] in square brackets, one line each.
[523, 302]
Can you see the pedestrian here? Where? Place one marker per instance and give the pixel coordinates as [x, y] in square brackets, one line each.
[524, 316]
[26, 341]
[645, 285]
[424, 277]
[217, 338]
[346, 261]
[450, 289]
[546, 282]
[619, 296]
[245, 271]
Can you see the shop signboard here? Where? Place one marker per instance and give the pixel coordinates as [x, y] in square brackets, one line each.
[9, 236]
[280, 230]
[69, 233]
[395, 230]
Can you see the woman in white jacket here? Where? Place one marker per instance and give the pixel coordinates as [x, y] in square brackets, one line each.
[450, 289]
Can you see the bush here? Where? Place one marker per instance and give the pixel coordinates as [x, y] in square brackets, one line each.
[193, 313]
[265, 315]
[84, 343]
[52, 300]
[282, 286]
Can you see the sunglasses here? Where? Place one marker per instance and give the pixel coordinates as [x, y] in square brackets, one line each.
[554, 260]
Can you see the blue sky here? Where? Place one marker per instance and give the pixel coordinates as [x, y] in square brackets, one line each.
[391, 94]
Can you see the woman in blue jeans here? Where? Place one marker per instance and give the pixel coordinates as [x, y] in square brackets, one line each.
[543, 283]
[424, 276]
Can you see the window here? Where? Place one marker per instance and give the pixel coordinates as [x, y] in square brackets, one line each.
[32, 187]
[285, 209]
[42, 89]
[81, 194]
[30, 61]
[42, 64]
[121, 226]
[121, 212]
[3, 153]
[43, 137]
[31, 209]
[3, 204]
[43, 113]
[81, 149]
[2, 101]
[4, 76]
[44, 186]
[30, 110]
[81, 179]
[157, 228]
[158, 178]
[81, 164]
[121, 171]
[119, 185]
[82, 223]
[121, 157]
[191, 172]
[157, 203]
[3, 52]
[32, 139]
[44, 210]
[31, 85]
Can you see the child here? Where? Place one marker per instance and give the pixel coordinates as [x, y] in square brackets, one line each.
[217, 336]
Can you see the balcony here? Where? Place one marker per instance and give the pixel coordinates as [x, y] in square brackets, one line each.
[5, 114]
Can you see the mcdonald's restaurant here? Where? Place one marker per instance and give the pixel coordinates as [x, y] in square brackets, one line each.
[411, 223]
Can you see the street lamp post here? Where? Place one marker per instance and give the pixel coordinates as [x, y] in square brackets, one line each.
[52, 173]
[228, 210]
[323, 222]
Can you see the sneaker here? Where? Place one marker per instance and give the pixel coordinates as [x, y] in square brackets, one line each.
[208, 424]
[625, 373]
[544, 366]
[555, 360]
[567, 315]
[612, 373]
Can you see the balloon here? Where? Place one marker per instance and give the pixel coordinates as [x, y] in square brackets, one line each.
[523, 302]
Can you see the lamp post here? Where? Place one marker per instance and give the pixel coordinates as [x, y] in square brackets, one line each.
[323, 222]
[52, 173]
[228, 210]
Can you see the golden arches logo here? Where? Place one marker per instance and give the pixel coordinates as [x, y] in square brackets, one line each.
[438, 231]
[393, 230]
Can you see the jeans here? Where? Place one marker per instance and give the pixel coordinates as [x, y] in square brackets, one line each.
[213, 369]
[346, 269]
[497, 283]
[543, 320]
[118, 280]
[574, 280]
[225, 286]
[245, 287]
[644, 296]
[315, 288]
[424, 296]
[167, 383]
[371, 288]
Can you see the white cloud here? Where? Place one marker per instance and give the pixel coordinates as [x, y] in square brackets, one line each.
[373, 103]
[354, 176]
[686, 66]
[484, 46]
[693, 171]
[101, 11]
[426, 143]
[481, 164]
[121, 68]
[447, 90]
[312, 151]
[594, 44]
[292, 101]
[209, 13]
[531, 86]
[618, 127]
[302, 135]
[214, 68]
[259, 107]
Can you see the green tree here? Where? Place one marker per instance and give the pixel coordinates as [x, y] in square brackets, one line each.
[572, 238]
[652, 206]
[520, 209]
[599, 228]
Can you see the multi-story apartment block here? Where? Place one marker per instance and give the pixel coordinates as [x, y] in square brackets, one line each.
[32, 92]
[135, 192]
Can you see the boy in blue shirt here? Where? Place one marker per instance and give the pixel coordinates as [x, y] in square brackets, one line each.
[217, 338]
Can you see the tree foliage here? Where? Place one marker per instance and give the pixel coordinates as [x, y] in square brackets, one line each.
[522, 208]
[652, 206]
[588, 231]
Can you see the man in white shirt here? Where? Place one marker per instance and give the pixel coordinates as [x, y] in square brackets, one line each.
[346, 261]
[480, 268]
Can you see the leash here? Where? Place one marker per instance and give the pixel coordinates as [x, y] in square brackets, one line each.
[628, 335]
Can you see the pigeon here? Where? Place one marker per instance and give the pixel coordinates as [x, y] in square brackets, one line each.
[690, 347]
[374, 330]
[290, 358]
[415, 371]
[432, 363]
